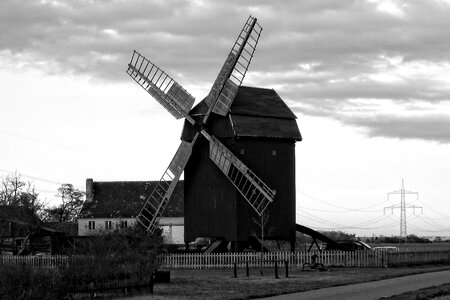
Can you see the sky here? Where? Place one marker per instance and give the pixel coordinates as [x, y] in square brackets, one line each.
[369, 82]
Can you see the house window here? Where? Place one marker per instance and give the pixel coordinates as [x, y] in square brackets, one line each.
[91, 225]
[242, 151]
[108, 225]
[274, 152]
[124, 224]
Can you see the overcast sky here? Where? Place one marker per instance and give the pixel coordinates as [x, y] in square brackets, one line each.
[368, 80]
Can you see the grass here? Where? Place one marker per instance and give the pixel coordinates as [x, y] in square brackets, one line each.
[220, 284]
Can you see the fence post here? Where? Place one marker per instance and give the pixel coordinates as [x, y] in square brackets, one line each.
[235, 270]
[286, 264]
[247, 271]
[151, 283]
[276, 269]
[91, 288]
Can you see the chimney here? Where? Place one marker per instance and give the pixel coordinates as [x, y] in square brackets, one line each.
[89, 190]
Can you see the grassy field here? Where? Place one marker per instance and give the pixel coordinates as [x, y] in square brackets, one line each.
[220, 284]
[418, 246]
[402, 246]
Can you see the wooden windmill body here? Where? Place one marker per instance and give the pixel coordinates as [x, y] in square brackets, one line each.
[260, 130]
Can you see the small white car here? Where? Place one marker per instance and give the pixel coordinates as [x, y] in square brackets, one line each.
[386, 248]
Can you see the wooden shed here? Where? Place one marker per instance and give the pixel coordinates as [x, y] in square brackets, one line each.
[22, 232]
[261, 131]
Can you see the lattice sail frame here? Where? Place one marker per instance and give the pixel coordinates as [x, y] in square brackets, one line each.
[155, 205]
[235, 67]
[171, 95]
[175, 99]
[254, 190]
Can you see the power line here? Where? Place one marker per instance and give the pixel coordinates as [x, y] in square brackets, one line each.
[38, 178]
[429, 207]
[71, 147]
[365, 209]
[358, 226]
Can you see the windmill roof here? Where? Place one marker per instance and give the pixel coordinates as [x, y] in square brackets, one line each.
[252, 101]
[255, 112]
[125, 199]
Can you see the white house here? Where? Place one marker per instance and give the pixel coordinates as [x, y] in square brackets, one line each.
[113, 205]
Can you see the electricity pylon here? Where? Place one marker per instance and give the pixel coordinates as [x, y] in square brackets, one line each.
[403, 206]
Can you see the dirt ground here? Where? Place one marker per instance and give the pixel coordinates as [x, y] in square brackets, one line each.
[221, 284]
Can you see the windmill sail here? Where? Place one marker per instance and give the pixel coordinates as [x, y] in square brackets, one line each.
[159, 198]
[254, 190]
[234, 69]
[161, 86]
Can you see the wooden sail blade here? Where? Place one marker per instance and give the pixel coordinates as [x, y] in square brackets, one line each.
[171, 95]
[252, 188]
[155, 205]
[232, 74]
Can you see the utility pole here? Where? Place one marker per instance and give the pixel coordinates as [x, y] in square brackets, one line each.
[403, 206]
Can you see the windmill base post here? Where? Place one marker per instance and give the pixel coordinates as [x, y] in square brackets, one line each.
[292, 242]
[235, 246]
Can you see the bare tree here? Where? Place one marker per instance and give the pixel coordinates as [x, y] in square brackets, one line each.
[16, 192]
[262, 224]
[71, 203]
[12, 185]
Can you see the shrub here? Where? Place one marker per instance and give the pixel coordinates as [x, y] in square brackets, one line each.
[121, 256]
[23, 282]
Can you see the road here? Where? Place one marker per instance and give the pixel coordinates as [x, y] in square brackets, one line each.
[373, 289]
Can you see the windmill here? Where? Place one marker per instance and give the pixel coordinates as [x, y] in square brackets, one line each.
[175, 99]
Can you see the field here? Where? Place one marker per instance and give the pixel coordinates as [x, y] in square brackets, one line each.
[417, 246]
[402, 246]
[220, 284]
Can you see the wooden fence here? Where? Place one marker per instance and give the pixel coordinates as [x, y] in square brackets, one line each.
[43, 261]
[361, 259]
[295, 259]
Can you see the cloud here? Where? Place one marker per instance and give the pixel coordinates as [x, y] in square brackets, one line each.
[435, 127]
[324, 57]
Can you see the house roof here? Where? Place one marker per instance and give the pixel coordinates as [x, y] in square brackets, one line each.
[125, 199]
[255, 112]
[19, 214]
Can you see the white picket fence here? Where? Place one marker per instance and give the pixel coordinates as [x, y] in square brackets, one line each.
[361, 259]
[297, 259]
